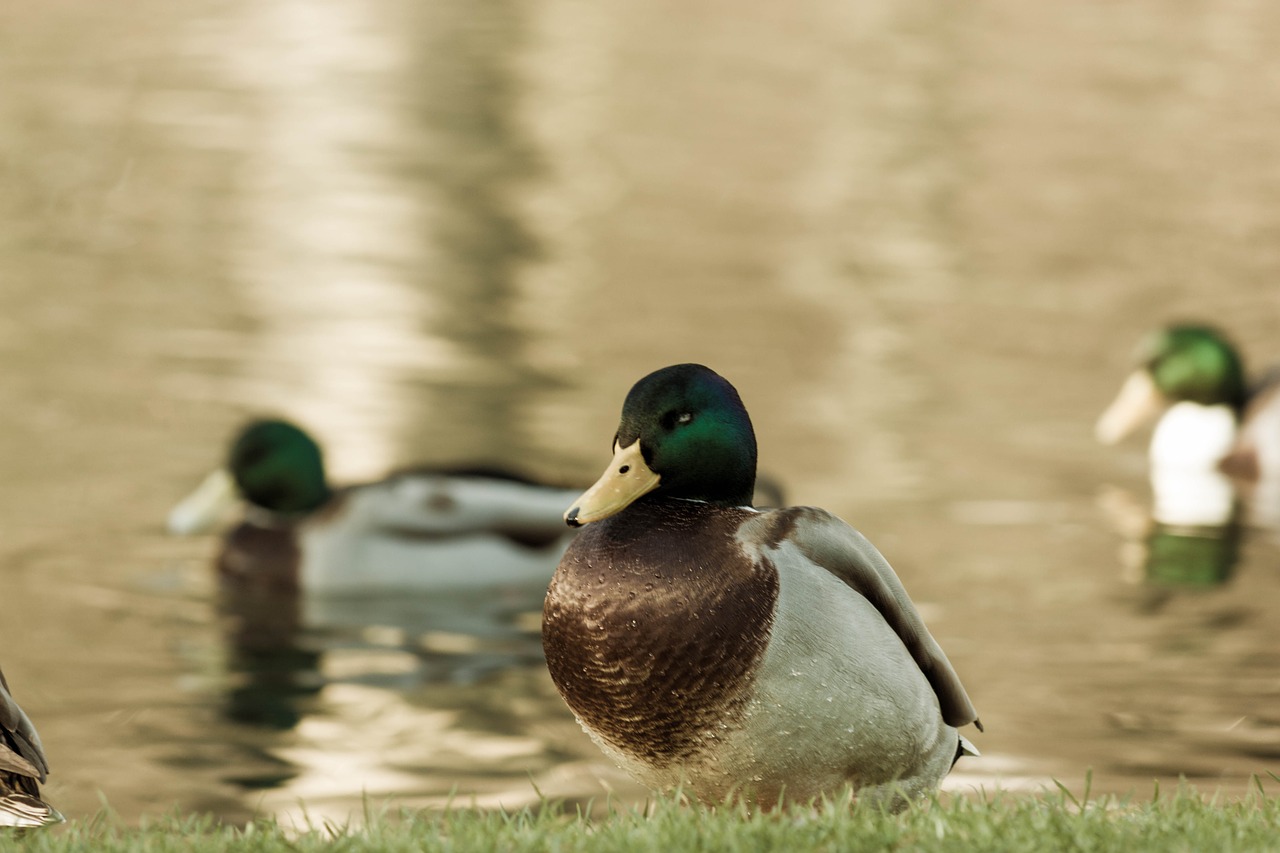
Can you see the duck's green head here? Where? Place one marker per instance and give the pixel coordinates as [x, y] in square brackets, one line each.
[684, 433]
[278, 467]
[1194, 363]
[1181, 363]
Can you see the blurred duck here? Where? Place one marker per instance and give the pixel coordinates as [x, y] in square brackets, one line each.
[23, 767]
[1210, 422]
[416, 529]
[737, 651]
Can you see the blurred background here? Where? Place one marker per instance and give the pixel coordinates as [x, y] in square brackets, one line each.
[921, 239]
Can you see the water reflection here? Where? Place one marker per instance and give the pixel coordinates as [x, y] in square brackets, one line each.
[283, 647]
[381, 238]
[272, 665]
[321, 671]
[1202, 557]
[1191, 534]
[1196, 530]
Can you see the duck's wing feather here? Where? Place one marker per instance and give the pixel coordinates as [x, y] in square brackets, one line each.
[831, 543]
[24, 753]
[430, 504]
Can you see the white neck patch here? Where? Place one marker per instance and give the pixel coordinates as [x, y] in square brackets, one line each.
[1190, 435]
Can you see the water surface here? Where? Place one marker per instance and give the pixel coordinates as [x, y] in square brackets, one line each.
[921, 242]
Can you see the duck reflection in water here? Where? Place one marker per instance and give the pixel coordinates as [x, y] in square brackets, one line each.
[284, 646]
[1214, 456]
[273, 668]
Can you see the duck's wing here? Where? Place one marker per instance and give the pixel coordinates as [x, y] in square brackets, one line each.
[20, 748]
[831, 543]
[432, 505]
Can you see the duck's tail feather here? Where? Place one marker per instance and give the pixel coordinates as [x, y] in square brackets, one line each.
[963, 748]
[23, 811]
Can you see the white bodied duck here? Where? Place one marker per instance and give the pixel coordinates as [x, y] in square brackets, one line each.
[417, 529]
[23, 767]
[735, 651]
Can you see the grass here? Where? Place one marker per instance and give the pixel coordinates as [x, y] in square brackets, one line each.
[1181, 821]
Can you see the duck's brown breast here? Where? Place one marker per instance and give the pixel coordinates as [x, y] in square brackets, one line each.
[257, 557]
[654, 624]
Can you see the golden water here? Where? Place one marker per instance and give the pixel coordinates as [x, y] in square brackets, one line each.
[920, 240]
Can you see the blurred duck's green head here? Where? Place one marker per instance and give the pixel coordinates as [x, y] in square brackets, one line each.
[278, 467]
[684, 433]
[1196, 364]
[1181, 363]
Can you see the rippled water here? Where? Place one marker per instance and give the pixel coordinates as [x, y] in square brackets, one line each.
[920, 241]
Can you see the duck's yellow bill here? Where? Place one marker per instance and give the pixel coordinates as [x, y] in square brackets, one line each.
[206, 506]
[1138, 401]
[626, 478]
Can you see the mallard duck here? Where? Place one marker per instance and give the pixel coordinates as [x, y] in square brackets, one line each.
[23, 767]
[1193, 379]
[416, 529]
[734, 651]
[1210, 422]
